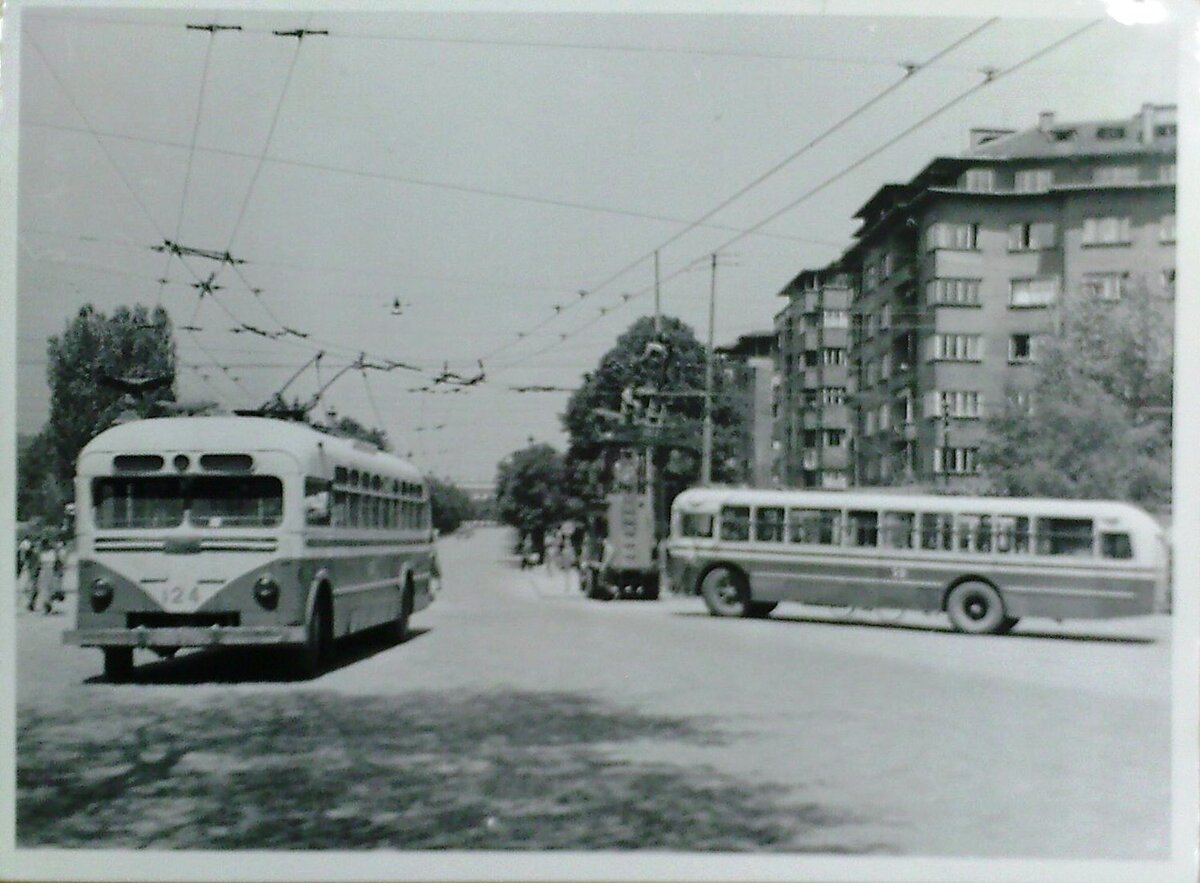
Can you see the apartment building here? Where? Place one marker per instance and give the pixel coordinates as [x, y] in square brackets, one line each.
[959, 272]
[812, 420]
[749, 366]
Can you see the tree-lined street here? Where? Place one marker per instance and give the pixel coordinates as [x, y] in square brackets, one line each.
[521, 715]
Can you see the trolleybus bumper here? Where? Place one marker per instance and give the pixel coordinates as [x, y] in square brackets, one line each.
[188, 636]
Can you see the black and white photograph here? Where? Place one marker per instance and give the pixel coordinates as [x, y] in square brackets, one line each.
[699, 441]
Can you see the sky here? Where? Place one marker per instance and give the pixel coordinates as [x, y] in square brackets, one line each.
[485, 169]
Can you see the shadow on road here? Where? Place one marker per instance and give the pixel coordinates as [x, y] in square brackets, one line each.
[317, 770]
[852, 622]
[243, 665]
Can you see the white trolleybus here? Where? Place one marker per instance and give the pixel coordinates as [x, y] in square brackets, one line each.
[984, 561]
[211, 531]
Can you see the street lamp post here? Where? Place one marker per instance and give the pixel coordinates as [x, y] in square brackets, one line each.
[706, 456]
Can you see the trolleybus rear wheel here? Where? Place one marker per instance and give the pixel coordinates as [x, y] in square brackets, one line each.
[725, 592]
[761, 609]
[118, 663]
[976, 607]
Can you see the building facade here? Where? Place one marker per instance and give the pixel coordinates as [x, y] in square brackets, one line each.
[958, 273]
[749, 367]
[812, 419]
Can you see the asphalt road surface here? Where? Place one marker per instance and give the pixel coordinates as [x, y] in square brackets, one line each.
[519, 715]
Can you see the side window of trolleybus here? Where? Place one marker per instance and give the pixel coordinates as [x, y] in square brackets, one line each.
[696, 524]
[1116, 545]
[863, 527]
[974, 532]
[898, 529]
[818, 526]
[318, 501]
[937, 531]
[768, 524]
[735, 523]
[1064, 536]
[1012, 534]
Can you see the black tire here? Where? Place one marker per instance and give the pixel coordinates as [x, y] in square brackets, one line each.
[1007, 624]
[725, 592]
[118, 663]
[761, 609]
[400, 623]
[976, 608]
[310, 656]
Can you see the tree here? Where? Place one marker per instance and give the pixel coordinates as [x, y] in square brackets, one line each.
[99, 368]
[530, 492]
[351, 428]
[450, 503]
[673, 363]
[1100, 421]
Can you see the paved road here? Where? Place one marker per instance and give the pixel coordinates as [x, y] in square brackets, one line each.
[521, 715]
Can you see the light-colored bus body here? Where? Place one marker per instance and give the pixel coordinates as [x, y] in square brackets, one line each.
[200, 531]
[1062, 559]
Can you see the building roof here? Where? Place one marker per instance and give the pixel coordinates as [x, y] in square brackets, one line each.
[757, 343]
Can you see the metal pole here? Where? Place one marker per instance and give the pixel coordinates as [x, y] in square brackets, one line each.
[707, 441]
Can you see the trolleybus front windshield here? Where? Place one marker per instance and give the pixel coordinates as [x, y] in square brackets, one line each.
[207, 501]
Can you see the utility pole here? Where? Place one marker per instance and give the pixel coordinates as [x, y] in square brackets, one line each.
[706, 455]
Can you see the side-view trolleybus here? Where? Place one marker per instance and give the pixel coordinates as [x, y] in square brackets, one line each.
[985, 561]
[224, 530]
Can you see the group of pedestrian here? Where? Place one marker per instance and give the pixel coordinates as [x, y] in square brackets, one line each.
[41, 563]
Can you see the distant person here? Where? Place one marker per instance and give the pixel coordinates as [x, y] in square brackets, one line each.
[49, 578]
[27, 566]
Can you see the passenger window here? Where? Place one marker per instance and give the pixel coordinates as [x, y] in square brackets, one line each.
[898, 529]
[696, 524]
[1116, 545]
[937, 531]
[974, 533]
[768, 524]
[817, 526]
[1064, 536]
[735, 523]
[1011, 534]
[318, 501]
[863, 528]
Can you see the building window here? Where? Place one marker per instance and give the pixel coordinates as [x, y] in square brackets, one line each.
[1110, 133]
[1107, 231]
[1030, 237]
[953, 292]
[835, 438]
[1033, 180]
[1115, 175]
[962, 237]
[1038, 291]
[956, 347]
[978, 180]
[964, 404]
[1063, 134]
[885, 366]
[1165, 130]
[1021, 401]
[833, 395]
[869, 429]
[955, 461]
[885, 317]
[1166, 229]
[1022, 347]
[836, 318]
[834, 356]
[1105, 286]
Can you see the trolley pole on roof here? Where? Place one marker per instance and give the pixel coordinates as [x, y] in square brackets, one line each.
[706, 455]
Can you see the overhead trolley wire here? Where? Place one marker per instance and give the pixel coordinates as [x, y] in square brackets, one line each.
[910, 71]
[121, 175]
[990, 77]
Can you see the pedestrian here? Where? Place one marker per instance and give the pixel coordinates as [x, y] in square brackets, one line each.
[27, 571]
[49, 578]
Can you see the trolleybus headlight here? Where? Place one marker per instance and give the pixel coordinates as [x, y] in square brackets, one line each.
[101, 594]
[266, 592]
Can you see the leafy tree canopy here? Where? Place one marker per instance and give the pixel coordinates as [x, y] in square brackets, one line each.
[100, 367]
[530, 493]
[450, 504]
[1099, 425]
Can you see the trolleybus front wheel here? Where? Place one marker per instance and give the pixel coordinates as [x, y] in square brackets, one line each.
[118, 663]
[976, 608]
[725, 592]
[311, 655]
